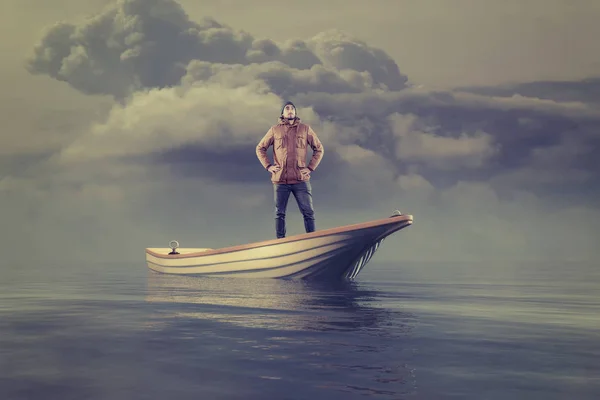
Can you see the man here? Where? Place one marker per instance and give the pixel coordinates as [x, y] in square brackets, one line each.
[289, 171]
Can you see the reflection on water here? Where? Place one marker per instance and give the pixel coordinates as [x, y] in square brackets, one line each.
[328, 339]
[271, 303]
[126, 333]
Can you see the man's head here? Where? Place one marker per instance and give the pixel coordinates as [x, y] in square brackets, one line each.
[288, 111]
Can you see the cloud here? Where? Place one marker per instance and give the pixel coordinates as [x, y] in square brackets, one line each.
[138, 44]
[132, 45]
[281, 79]
[465, 151]
[338, 50]
[498, 136]
[584, 91]
[175, 156]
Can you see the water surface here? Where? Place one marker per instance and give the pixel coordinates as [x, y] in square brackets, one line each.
[405, 331]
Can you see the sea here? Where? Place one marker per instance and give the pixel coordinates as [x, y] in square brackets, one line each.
[401, 330]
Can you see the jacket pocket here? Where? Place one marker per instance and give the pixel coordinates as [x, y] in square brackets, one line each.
[301, 164]
[301, 142]
[276, 176]
[279, 143]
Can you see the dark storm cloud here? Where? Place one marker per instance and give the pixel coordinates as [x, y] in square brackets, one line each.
[138, 44]
[237, 164]
[586, 90]
[133, 44]
[215, 120]
[227, 87]
[452, 136]
[344, 52]
[281, 79]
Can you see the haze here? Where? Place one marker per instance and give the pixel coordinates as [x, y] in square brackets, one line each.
[127, 124]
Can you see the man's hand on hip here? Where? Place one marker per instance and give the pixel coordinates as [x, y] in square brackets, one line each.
[274, 168]
[305, 172]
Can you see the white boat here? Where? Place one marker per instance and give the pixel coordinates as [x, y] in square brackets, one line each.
[335, 253]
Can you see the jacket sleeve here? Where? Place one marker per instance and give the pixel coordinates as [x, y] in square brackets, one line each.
[261, 148]
[317, 147]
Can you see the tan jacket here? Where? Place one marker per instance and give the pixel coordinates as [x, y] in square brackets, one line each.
[289, 143]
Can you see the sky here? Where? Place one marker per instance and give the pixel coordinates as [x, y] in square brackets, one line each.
[131, 123]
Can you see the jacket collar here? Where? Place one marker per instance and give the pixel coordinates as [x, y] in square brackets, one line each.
[283, 121]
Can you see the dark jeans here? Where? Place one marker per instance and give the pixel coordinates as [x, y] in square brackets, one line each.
[303, 193]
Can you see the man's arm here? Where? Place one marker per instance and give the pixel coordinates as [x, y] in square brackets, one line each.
[261, 148]
[317, 147]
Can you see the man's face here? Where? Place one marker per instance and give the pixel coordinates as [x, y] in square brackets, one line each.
[289, 112]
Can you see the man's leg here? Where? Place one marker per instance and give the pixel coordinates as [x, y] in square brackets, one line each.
[303, 194]
[282, 194]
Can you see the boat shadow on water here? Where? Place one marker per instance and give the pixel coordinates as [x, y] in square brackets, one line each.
[274, 304]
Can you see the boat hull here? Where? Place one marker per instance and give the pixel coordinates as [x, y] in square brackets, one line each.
[327, 254]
